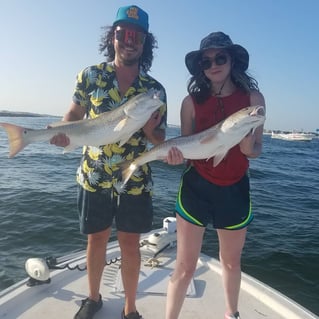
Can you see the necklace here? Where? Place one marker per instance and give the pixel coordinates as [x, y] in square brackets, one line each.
[220, 90]
[219, 113]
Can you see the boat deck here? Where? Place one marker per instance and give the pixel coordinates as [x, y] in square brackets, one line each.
[62, 297]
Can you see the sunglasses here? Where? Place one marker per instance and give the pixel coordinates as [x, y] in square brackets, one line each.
[129, 36]
[219, 59]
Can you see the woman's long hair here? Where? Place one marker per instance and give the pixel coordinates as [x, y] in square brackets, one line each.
[107, 48]
[200, 87]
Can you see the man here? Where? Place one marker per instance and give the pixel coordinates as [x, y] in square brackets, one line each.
[128, 46]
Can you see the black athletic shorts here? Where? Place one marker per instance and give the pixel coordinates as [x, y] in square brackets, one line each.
[132, 213]
[201, 202]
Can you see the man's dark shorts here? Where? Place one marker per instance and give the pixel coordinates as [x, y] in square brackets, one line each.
[201, 202]
[132, 213]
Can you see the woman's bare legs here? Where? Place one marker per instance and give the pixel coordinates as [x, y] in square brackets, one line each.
[231, 243]
[189, 243]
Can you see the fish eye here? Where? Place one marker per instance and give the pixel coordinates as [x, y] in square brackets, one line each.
[261, 111]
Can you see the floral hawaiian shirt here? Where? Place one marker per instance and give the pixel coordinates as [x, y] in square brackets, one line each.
[100, 169]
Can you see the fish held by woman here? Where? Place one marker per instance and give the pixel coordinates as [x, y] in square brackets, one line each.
[111, 127]
[215, 141]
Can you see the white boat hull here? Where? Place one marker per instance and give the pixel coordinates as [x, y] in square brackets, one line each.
[61, 298]
[293, 136]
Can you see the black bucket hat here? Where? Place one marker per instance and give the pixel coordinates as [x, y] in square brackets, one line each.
[217, 40]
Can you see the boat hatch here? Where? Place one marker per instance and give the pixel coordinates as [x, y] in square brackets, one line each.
[153, 281]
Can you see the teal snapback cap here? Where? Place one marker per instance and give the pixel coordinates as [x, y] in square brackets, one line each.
[132, 14]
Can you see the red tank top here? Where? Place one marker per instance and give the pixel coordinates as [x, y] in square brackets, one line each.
[234, 166]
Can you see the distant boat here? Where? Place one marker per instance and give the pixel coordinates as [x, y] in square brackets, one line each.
[294, 136]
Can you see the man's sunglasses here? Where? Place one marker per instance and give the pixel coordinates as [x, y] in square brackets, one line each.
[129, 36]
[220, 59]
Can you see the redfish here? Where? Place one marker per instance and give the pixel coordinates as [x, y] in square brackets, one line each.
[111, 127]
[215, 141]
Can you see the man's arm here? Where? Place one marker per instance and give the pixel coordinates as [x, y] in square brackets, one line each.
[153, 133]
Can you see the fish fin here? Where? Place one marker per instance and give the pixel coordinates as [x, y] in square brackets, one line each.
[208, 139]
[219, 157]
[123, 140]
[56, 124]
[69, 148]
[128, 168]
[15, 137]
[120, 125]
[65, 123]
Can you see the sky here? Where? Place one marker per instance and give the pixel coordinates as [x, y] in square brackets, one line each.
[44, 44]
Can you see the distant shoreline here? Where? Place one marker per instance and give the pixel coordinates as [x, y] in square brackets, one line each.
[23, 114]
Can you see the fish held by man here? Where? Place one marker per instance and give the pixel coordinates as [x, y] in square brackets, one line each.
[215, 141]
[111, 127]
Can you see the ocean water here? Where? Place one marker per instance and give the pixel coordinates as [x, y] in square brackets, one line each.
[38, 216]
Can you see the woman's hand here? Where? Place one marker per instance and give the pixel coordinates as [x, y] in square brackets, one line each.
[174, 157]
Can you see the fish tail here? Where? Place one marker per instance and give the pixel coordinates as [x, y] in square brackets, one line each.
[15, 137]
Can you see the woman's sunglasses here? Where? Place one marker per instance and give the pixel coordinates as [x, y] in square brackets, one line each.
[129, 36]
[220, 59]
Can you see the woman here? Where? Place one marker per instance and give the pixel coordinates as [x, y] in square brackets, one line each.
[219, 86]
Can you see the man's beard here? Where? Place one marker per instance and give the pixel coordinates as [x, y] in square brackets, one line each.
[128, 58]
[130, 62]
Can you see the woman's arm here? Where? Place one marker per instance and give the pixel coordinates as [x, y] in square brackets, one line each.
[187, 116]
[251, 145]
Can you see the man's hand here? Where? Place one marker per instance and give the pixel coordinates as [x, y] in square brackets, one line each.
[60, 140]
[153, 133]
[152, 123]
